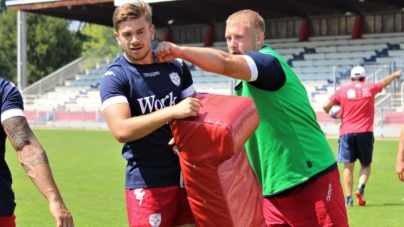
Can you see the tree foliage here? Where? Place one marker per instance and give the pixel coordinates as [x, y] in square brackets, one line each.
[8, 46]
[50, 45]
[96, 36]
[100, 45]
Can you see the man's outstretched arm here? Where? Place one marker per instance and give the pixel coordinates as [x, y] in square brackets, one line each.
[208, 59]
[387, 80]
[35, 162]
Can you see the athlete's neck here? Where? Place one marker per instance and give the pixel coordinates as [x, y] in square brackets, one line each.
[152, 58]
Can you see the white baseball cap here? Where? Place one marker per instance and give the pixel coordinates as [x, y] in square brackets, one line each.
[358, 72]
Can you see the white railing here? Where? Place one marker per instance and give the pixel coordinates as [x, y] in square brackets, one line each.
[387, 122]
[74, 117]
[80, 65]
[56, 78]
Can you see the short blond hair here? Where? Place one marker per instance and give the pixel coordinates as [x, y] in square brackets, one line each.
[132, 10]
[252, 18]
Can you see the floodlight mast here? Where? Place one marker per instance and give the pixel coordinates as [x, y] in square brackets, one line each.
[21, 50]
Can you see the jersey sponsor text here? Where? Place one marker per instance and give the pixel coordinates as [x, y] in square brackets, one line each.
[151, 104]
[151, 74]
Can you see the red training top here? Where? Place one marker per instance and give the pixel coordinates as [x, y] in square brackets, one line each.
[357, 102]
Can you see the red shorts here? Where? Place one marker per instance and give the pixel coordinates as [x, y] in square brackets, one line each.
[158, 207]
[7, 221]
[318, 202]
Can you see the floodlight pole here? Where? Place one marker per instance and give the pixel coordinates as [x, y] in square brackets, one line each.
[21, 50]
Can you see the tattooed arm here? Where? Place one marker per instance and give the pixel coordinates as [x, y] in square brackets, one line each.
[34, 160]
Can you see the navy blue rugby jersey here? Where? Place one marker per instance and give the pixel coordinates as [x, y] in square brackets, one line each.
[266, 71]
[11, 105]
[147, 88]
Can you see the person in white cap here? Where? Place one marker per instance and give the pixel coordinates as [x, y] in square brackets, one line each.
[357, 101]
[400, 156]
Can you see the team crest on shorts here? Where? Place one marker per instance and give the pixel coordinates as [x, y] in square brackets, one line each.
[175, 78]
[155, 220]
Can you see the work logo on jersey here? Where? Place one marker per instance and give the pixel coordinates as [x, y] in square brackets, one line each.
[175, 78]
[151, 104]
[155, 220]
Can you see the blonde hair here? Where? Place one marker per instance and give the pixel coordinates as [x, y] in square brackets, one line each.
[252, 18]
[132, 10]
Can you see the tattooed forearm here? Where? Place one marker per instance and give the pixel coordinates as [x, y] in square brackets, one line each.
[18, 131]
[41, 159]
[26, 168]
[30, 152]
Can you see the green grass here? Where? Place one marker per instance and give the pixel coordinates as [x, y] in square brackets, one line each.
[384, 193]
[89, 170]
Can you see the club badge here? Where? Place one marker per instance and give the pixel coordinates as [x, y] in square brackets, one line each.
[175, 78]
[155, 220]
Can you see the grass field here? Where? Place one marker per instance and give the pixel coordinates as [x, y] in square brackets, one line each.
[89, 170]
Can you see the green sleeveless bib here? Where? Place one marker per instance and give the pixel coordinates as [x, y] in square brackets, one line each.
[289, 146]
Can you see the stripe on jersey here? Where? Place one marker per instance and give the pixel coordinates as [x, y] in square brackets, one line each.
[114, 100]
[253, 67]
[188, 91]
[11, 113]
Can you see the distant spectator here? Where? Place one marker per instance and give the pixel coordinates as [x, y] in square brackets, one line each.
[357, 101]
[400, 156]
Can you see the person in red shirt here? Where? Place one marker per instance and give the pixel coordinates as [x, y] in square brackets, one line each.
[400, 156]
[357, 101]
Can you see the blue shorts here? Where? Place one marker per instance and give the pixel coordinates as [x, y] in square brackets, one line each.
[356, 146]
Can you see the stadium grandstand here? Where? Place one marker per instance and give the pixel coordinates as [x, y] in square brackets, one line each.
[321, 40]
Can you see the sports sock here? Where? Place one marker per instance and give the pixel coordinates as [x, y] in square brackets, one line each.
[361, 188]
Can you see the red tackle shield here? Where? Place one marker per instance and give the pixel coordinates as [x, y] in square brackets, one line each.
[221, 185]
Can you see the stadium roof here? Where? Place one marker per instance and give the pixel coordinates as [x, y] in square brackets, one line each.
[188, 12]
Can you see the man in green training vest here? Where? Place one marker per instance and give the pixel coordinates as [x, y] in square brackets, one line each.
[288, 152]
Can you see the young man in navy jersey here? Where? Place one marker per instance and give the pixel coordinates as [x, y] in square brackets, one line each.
[288, 152]
[139, 99]
[32, 157]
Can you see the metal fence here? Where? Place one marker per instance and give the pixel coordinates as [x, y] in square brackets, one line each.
[375, 72]
[387, 122]
[89, 117]
[389, 114]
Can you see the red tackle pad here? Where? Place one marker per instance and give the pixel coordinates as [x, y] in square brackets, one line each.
[221, 185]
